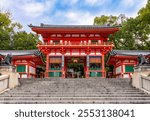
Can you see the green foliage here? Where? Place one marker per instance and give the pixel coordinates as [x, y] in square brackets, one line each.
[13, 39]
[5, 30]
[144, 14]
[134, 33]
[103, 20]
[24, 41]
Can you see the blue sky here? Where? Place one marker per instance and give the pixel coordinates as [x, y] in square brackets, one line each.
[67, 11]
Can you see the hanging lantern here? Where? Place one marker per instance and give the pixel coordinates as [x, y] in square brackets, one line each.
[75, 60]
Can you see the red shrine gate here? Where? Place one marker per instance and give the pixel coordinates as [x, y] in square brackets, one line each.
[75, 46]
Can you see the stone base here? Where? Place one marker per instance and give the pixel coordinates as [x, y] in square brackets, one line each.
[13, 76]
[138, 71]
[7, 69]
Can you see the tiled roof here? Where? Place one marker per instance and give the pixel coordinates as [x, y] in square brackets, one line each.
[125, 54]
[73, 26]
[19, 52]
[129, 52]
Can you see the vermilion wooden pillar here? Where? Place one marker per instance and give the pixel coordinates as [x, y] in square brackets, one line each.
[87, 67]
[87, 72]
[63, 66]
[28, 71]
[122, 73]
[103, 66]
[47, 66]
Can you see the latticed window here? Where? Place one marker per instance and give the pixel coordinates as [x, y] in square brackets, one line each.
[55, 63]
[21, 68]
[56, 42]
[94, 41]
[95, 63]
[129, 68]
[55, 74]
[95, 74]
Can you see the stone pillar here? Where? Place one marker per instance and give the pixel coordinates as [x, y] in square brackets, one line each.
[13, 76]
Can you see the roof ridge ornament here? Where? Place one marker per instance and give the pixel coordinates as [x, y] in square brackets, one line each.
[7, 60]
[113, 53]
[42, 24]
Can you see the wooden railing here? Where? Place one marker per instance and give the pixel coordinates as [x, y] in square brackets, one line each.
[145, 83]
[78, 44]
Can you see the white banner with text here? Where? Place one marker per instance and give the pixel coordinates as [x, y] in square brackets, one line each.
[74, 112]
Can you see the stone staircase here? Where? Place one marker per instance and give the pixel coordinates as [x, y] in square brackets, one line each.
[78, 91]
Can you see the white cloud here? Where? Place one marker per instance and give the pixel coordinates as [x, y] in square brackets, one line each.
[40, 11]
[73, 1]
[5, 4]
[35, 8]
[75, 17]
[29, 8]
[136, 4]
[70, 2]
[28, 11]
[96, 2]
[141, 3]
[127, 2]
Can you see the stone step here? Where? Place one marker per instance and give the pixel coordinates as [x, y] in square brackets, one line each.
[58, 90]
[75, 79]
[74, 95]
[71, 92]
[74, 98]
[76, 102]
[74, 86]
[77, 84]
[81, 85]
[74, 90]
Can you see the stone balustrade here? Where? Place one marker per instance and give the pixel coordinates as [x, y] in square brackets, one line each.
[4, 82]
[145, 82]
[13, 76]
[140, 78]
